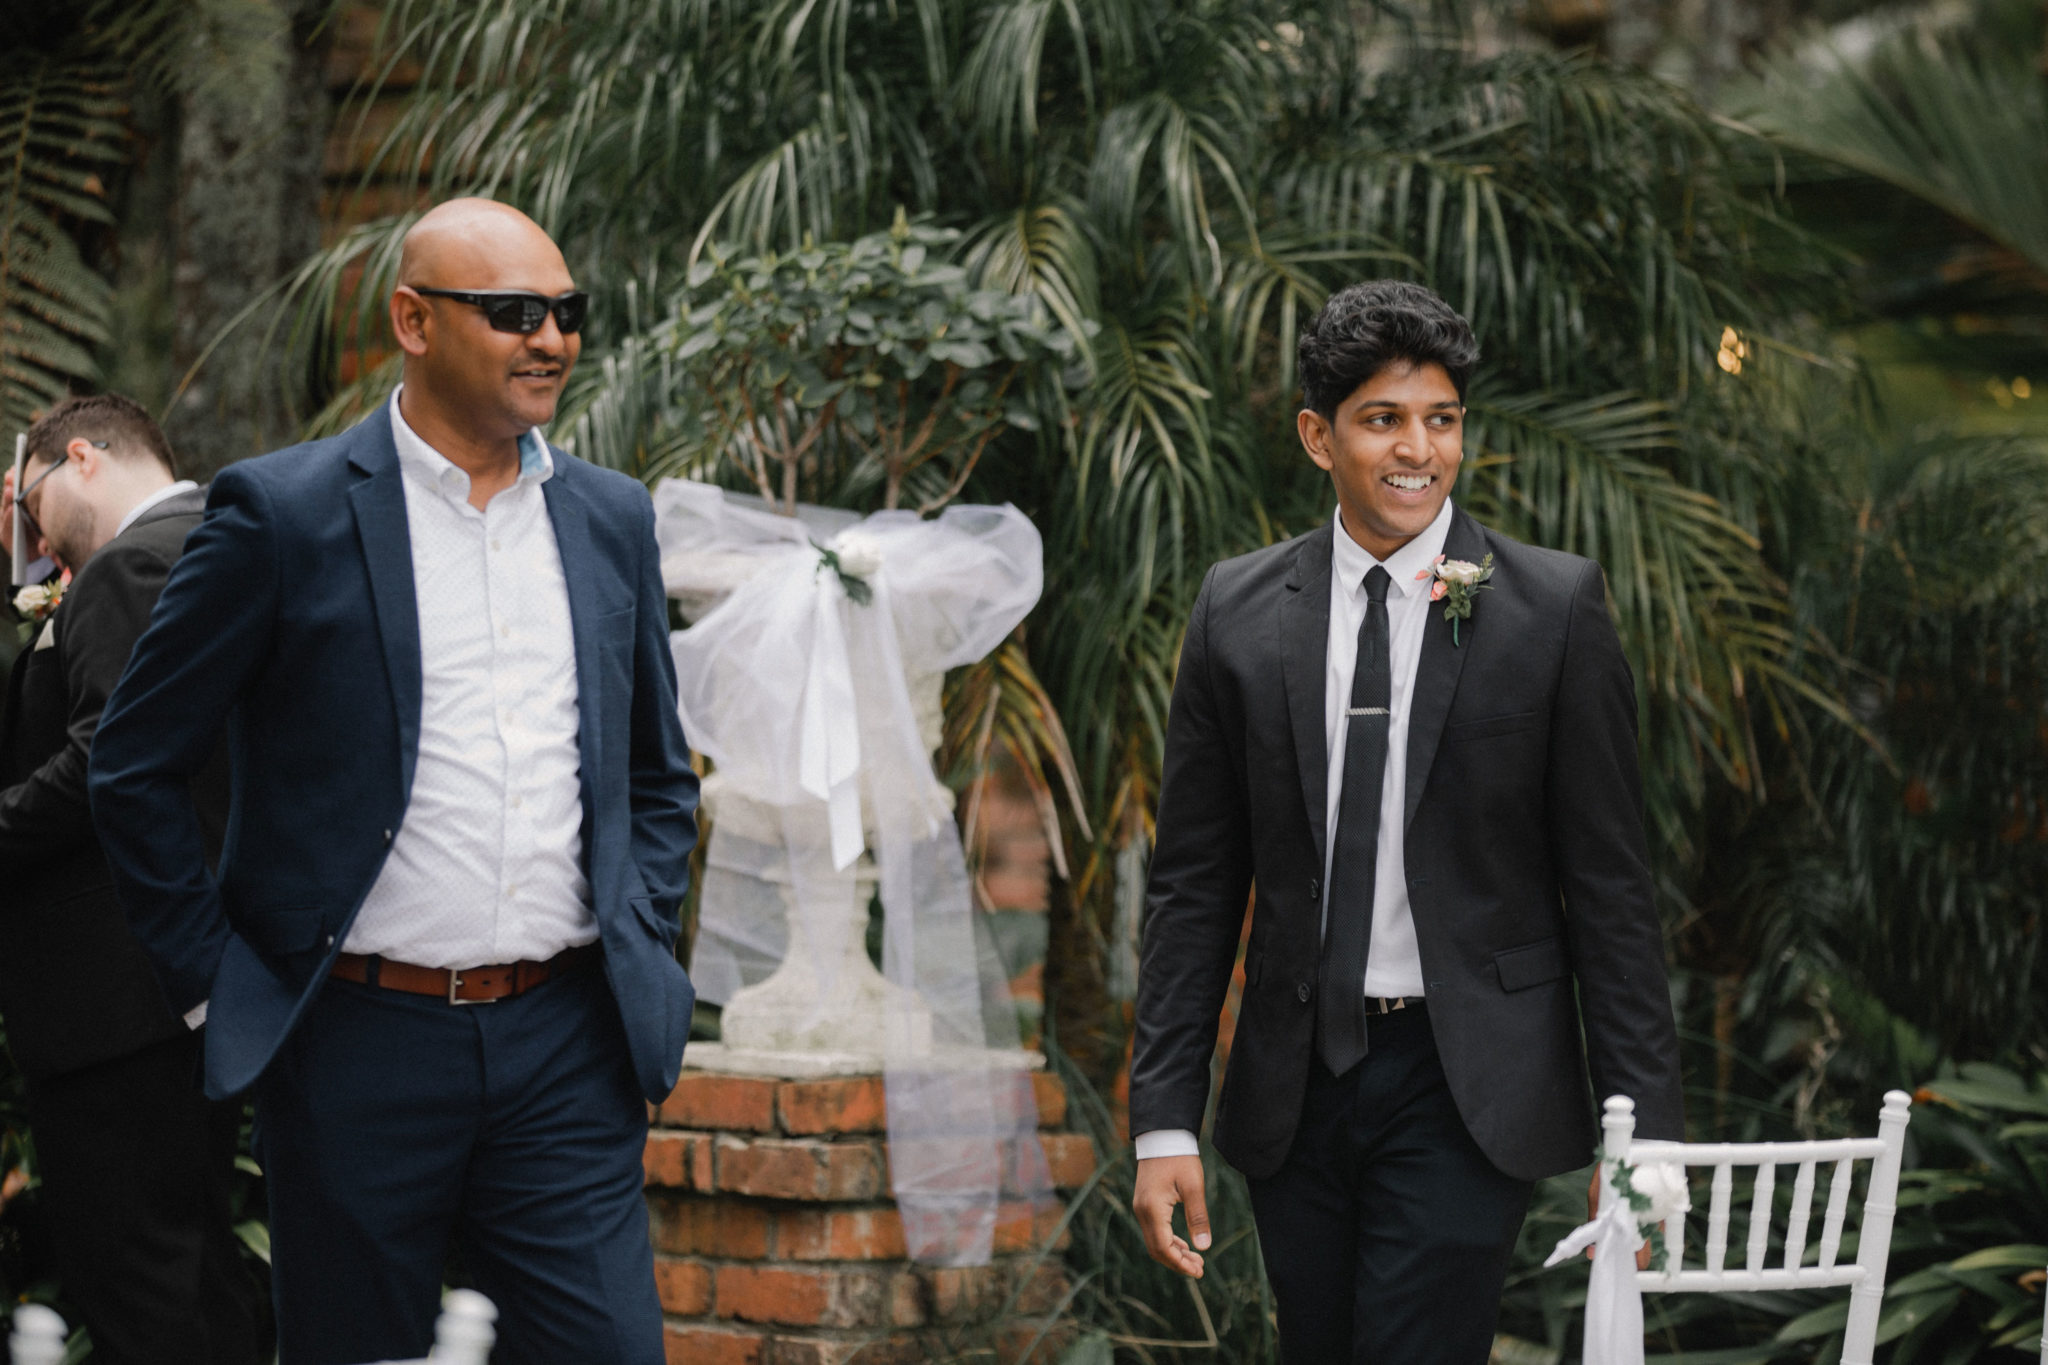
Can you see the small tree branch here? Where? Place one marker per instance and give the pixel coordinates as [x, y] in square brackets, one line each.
[959, 481]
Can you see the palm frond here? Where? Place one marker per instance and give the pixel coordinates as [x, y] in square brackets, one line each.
[61, 136]
[1957, 124]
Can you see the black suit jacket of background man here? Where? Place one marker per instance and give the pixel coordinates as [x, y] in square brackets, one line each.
[76, 988]
[1527, 869]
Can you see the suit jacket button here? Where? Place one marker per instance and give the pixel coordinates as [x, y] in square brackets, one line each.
[1301, 992]
[1315, 889]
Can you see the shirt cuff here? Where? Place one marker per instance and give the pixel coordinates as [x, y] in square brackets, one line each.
[196, 1016]
[1167, 1142]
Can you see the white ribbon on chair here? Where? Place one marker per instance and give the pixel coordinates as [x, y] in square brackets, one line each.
[797, 684]
[1614, 1299]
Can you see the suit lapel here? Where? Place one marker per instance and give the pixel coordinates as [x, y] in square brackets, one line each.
[1436, 674]
[1304, 661]
[379, 505]
[572, 542]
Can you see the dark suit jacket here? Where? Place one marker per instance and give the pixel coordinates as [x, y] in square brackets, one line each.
[76, 988]
[1527, 868]
[292, 622]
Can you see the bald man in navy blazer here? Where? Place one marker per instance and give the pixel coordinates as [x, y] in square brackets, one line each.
[440, 942]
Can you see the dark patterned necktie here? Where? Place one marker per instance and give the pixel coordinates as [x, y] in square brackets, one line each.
[1354, 856]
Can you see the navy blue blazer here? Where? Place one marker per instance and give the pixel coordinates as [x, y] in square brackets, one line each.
[291, 621]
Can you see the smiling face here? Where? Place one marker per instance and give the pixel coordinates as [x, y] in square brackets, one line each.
[501, 383]
[1392, 449]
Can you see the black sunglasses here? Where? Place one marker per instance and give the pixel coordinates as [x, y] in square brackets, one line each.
[516, 310]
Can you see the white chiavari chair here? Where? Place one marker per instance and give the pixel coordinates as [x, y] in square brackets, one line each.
[2044, 1324]
[1829, 1159]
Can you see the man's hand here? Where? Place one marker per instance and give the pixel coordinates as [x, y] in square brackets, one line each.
[1164, 1181]
[1593, 1211]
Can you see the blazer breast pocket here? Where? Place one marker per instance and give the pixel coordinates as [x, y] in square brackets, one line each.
[1532, 964]
[1491, 727]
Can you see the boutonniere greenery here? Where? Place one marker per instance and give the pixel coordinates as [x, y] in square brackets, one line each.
[1456, 580]
[34, 605]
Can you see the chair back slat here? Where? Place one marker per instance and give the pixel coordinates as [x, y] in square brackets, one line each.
[1802, 1214]
[1838, 1210]
[1760, 1217]
[1717, 1219]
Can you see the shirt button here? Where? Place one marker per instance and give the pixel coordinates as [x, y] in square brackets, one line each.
[495, 545]
[504, 632]
[512, 890]
[1301, 992]
[517, 802]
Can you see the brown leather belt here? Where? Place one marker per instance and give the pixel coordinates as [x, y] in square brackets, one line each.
[466, 986]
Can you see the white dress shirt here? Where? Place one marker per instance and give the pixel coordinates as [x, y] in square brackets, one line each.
[164, 494]
[1393, 965]
[487, 866]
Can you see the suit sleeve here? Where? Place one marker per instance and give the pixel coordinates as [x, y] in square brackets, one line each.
[49, 813]
[1196, 897]
[662, 786]
[1594, 799]
[210, 634]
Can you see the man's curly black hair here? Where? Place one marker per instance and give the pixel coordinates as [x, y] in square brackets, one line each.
[1363, 328]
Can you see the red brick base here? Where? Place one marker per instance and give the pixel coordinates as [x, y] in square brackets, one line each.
[776, 1241]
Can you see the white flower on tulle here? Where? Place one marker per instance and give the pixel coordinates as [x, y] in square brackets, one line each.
[1663, 1184]
[35, 603]
[860, 553]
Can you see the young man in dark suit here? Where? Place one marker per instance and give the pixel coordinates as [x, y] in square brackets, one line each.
[1431, 779]
[440, 944]
[136, 1162]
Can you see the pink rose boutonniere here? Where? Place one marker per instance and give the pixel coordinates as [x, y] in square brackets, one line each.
[1455, 582]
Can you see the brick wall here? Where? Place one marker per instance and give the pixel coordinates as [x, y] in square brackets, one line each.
[777, 1243]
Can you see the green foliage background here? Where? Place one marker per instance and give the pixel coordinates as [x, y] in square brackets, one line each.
[1724, 348]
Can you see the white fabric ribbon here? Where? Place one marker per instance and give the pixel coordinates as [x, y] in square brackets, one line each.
[828, 746]
[802, 697]
[1614, 1298]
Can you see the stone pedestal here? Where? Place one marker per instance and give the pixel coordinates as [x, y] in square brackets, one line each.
[777, 1243]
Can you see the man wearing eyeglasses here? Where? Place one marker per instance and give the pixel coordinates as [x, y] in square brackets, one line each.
[440, 946]
[138, 1211]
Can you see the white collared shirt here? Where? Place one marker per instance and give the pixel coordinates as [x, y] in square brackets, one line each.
[487, 866]
[1393, 964]
[164, 494]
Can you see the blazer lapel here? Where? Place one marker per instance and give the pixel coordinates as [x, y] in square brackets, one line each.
[571, 520]
[1304, 663]
[379, 505]
[1436, 675]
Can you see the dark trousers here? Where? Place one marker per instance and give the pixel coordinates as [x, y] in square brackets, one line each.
[137, 1166]
[392, 1127]
[1387, 1232]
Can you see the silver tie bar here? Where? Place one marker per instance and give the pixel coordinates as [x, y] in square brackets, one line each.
[1367, 711]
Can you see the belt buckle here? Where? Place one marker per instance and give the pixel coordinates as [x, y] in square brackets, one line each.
[455, 984]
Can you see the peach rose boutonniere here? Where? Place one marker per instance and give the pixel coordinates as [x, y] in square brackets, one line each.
[1456, 580]
[34, 605]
